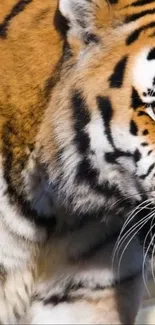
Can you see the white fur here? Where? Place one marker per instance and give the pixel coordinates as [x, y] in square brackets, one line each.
[15, 296]
[143, 75]
[98, 141]
[77, 313]
[68, 7]
[65, 8]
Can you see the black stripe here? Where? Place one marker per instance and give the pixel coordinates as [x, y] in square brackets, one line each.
[138, 15]
[151, 55]
[151, 93]
[137, 155]
[136, 101]
[144, 144]
[112, 2]
[64, 296]
[141, 3]
[56, 299]
[87, 174]
[61, 23]
[81, 117]
[148, 172]
[116, 79]
[73, 288]
[111, 157]
[149, 152]
[135, 35]
[56, 73]
[133, 128]
[105, 108]
[18, 7]
[142, 113]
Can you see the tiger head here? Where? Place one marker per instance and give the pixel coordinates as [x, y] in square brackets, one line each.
[98, 135]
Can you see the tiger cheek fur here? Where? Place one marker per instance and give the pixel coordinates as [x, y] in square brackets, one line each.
[102, 132]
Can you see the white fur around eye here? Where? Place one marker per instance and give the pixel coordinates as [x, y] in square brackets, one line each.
[151, 112]
[143, 76]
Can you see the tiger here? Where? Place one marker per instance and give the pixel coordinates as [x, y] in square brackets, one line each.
[77, 112]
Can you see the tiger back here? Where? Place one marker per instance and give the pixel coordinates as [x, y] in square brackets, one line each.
[30, 47]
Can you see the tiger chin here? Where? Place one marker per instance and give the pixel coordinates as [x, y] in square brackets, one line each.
[77, 159]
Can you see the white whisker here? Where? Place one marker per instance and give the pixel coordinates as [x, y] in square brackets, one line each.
[139, 208]
[148, 233]
[152, 264]
[128, 220]
[139, 228]
[127, 234]
[131, 196]
[143, 268]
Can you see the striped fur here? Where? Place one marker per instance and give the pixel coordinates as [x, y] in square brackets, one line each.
[77, 151]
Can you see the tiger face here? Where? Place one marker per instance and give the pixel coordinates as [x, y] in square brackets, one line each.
[98, 135]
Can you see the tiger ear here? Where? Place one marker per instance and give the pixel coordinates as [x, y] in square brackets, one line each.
[80, 16]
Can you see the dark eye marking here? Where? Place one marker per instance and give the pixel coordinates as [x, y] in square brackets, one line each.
[133, 128]
[145, 132]
[136, 102]
[116, 79]
[151, 55]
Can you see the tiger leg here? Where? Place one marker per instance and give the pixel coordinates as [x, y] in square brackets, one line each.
[15, 296]
[79, 285]
[19, 246]
[17, 273]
